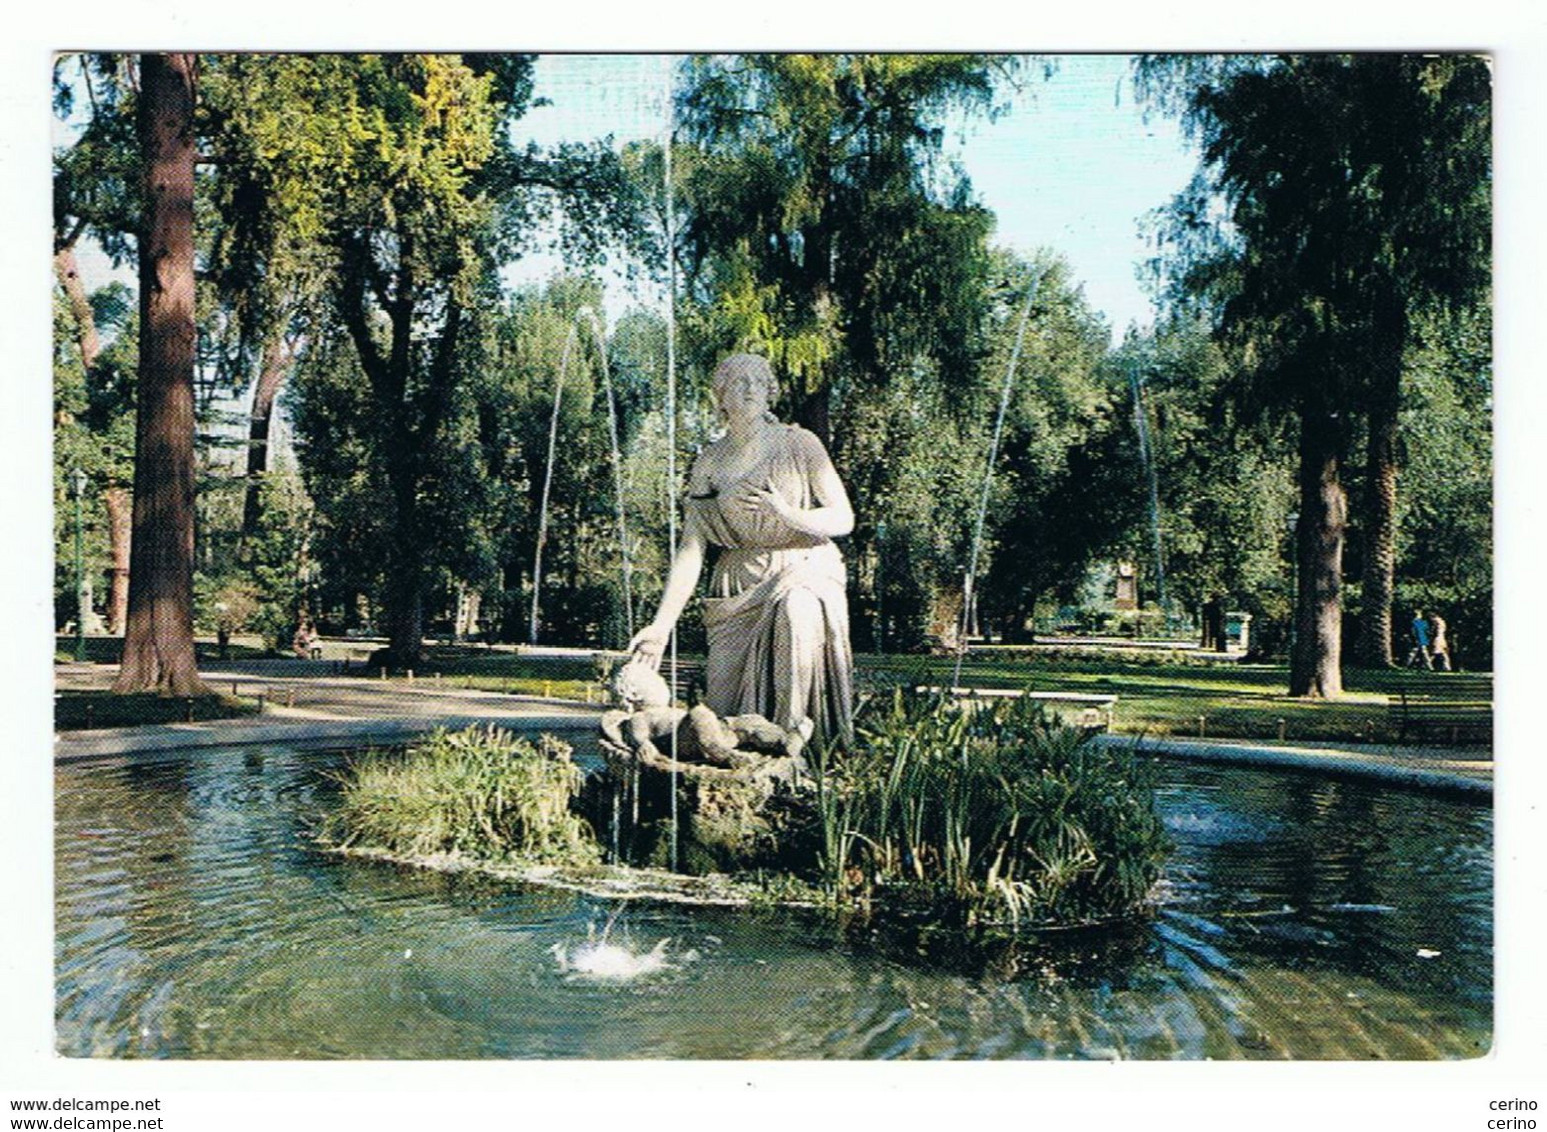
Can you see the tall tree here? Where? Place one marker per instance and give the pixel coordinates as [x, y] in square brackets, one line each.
[96, 197]
[1326, 250]
[1069, 485]
[813, 227]
[1420, 225]
[158, 650]
[403, 170]
[824, 228]
[262, 255]
[1225, 484]
[274, 368]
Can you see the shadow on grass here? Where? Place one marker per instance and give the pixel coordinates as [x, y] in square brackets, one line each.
[90, 710]
[109, 650]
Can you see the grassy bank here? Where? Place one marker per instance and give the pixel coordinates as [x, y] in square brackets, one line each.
[89, 710]
[1158, 693]
[1174, 694]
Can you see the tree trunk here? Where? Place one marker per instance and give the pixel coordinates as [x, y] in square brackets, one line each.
[403, 596]
[1378, 582]
[120, 524]
[1380, 553]
[404, 614]
[68, 274]
[272, 371]
[158, 650]
[1315, 664]
[813, 412]
[115, 496]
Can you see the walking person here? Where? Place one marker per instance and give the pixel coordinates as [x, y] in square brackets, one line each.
[1439, 643]
[1418, 656]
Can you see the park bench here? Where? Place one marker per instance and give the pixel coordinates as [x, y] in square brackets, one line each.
[1452, 720]
[1095, 708]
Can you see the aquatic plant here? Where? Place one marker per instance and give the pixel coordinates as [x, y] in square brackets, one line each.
[481, 792]
[988, 813]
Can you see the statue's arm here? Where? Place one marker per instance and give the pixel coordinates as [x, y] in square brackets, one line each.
[833, 516]
[650, 642]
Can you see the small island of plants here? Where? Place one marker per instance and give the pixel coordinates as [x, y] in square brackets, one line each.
[940, 811]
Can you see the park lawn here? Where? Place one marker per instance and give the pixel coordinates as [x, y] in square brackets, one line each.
[1158, 695]
[109, 650]
[499, 670]
[86, 710]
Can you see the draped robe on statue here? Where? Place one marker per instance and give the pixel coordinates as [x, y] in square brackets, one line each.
[776, 611]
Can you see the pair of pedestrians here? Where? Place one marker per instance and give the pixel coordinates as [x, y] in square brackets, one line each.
[1431, 646]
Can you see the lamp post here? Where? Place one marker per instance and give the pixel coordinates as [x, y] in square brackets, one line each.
[1293, 523]
[880, 587]
[82, 608]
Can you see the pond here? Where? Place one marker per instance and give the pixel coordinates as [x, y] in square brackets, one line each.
[1303, 918]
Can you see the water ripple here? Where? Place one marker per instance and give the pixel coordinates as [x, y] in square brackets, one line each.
[193, 919]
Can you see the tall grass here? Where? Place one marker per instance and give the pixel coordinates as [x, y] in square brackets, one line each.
[989, 814]
[480, 792]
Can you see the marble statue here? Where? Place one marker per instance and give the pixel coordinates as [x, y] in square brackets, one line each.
[767, 498]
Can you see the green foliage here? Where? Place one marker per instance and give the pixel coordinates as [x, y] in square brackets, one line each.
[1342, 200]
[1226, 479]
[94, 432]
[990, 813]
[1445, 513]
[1069, 485]
[395, 178]
[481, 793]
[819, 224]
[276, 567]
[814, 228]
[96, 177]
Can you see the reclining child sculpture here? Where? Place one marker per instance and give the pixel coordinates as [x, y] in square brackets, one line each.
[647, 720]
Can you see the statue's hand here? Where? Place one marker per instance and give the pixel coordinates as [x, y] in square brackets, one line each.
[649, 644]
[766, 501]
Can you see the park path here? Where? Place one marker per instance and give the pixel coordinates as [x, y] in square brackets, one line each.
[305, 705]
[301, 707]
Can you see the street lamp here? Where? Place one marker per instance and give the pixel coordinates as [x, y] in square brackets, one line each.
[1293, 523]
[880, 587]
[82, 607]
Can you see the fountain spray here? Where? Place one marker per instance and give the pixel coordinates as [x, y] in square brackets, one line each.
[542, 512]
[571, 339]
[671, 407]
[1146, 454]
[600, 337]
[988, 477]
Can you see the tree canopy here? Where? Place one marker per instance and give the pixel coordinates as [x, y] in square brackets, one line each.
[1324, 327]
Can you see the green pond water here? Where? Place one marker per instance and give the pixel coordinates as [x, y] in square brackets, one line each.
[1303, 919]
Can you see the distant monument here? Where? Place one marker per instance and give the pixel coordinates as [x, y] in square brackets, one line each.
[1127, 586]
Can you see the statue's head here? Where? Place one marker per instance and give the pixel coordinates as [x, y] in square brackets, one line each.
[636, 685]
[744, 384]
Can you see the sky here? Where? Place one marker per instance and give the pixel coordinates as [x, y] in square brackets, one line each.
[1072, 165]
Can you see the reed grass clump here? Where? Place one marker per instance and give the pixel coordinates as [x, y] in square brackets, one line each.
[988, 815]
[480, 793]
